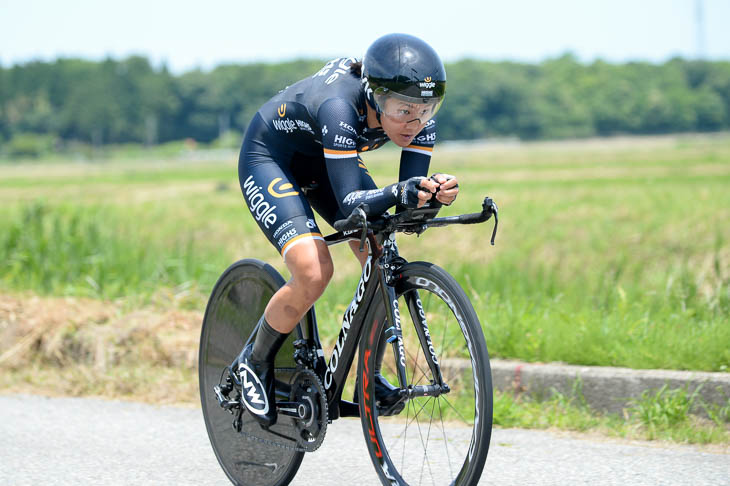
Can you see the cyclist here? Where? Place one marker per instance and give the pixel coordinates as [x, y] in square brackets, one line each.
[301, 151]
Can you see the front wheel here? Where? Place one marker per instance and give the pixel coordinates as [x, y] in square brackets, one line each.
[441, 438]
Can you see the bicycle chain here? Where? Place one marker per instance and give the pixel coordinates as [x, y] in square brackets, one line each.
[255, 438]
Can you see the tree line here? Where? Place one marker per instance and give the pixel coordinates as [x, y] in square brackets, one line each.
[130, 100]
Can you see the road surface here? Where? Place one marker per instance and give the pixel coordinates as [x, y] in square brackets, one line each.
[89, 441]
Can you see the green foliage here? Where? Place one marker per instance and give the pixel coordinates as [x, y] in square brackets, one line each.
[30, 145]
[613, 254]
[657, 415]
[231, 139]
[95, 252]
[664, 407]
[720, 414]
[118, 101]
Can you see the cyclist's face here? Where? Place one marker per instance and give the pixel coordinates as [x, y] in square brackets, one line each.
[402, 121]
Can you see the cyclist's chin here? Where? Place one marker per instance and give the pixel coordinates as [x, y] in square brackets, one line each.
[402, 140]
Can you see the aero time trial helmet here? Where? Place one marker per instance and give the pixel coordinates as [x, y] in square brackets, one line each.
[404, 78]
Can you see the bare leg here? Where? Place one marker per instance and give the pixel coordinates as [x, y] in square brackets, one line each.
[362, 256]
[311, 268]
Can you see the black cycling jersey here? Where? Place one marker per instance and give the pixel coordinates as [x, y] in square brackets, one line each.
[305, 142]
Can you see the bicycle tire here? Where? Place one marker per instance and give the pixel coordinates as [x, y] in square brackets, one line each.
[460, 348]
[236, 303]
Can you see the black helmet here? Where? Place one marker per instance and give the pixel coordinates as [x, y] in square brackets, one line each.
[403, 67]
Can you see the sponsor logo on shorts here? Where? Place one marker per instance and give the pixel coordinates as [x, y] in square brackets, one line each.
[282, 187]
[282, 228]
[262, 210]
[291, 233]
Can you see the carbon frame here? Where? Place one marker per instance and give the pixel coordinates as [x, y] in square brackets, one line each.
[334, 372]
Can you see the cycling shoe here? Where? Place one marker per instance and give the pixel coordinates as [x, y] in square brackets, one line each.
[387, 396]
[257, 386]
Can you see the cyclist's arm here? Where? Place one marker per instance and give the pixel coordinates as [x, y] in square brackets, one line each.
[343, 167]
[415, 158]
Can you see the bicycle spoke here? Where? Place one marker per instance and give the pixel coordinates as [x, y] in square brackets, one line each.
[420, 436]
[425, 450]
[409, 422]
[446, 442]
[405, 438]
[455, 410]
[417, 425]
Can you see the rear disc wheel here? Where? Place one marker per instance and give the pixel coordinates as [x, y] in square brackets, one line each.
[237, 302]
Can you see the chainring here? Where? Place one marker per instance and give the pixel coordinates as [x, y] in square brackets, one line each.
[307, 390]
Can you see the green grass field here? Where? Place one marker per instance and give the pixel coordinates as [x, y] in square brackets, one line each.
[608, 253]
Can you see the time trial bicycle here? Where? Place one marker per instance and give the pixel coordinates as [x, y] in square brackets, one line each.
[410, 320]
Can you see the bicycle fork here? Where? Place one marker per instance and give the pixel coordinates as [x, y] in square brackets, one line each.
[394, 336]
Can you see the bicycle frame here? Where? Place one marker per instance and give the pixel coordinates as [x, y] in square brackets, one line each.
[376, 278]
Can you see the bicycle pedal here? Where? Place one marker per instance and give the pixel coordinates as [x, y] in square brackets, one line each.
[223, 400]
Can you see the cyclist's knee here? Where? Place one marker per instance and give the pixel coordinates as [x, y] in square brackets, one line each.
[311, 267]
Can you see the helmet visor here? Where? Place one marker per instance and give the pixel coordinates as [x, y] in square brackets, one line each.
[405, 109]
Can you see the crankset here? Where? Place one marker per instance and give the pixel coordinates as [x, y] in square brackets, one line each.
[308, 406]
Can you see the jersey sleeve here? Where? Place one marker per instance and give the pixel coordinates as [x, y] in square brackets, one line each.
[415, 158]
[337, 119]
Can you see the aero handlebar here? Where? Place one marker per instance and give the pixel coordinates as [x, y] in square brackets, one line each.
[413, 220]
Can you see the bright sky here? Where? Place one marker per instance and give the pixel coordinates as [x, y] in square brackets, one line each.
[186, 34]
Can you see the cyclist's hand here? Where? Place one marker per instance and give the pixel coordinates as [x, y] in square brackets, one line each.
[448, 188]
[415, 192]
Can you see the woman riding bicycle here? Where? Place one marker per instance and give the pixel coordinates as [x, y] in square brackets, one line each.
[301, 151]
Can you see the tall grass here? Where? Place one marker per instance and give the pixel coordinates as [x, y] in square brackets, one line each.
[94, 251]
[615, 254]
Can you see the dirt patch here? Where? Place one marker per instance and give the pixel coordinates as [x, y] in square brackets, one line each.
[74, 346]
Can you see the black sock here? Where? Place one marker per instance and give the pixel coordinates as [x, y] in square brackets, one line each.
[267, 343]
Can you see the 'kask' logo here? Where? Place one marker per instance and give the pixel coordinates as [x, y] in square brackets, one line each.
[427, 83]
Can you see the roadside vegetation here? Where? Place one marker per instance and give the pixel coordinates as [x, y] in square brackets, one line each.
[658, 415]
[610, 253]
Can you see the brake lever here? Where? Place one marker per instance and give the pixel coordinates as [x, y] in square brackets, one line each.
[364, 219]
[490, 206]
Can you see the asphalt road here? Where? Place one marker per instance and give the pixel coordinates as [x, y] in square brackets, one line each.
[86, 441]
